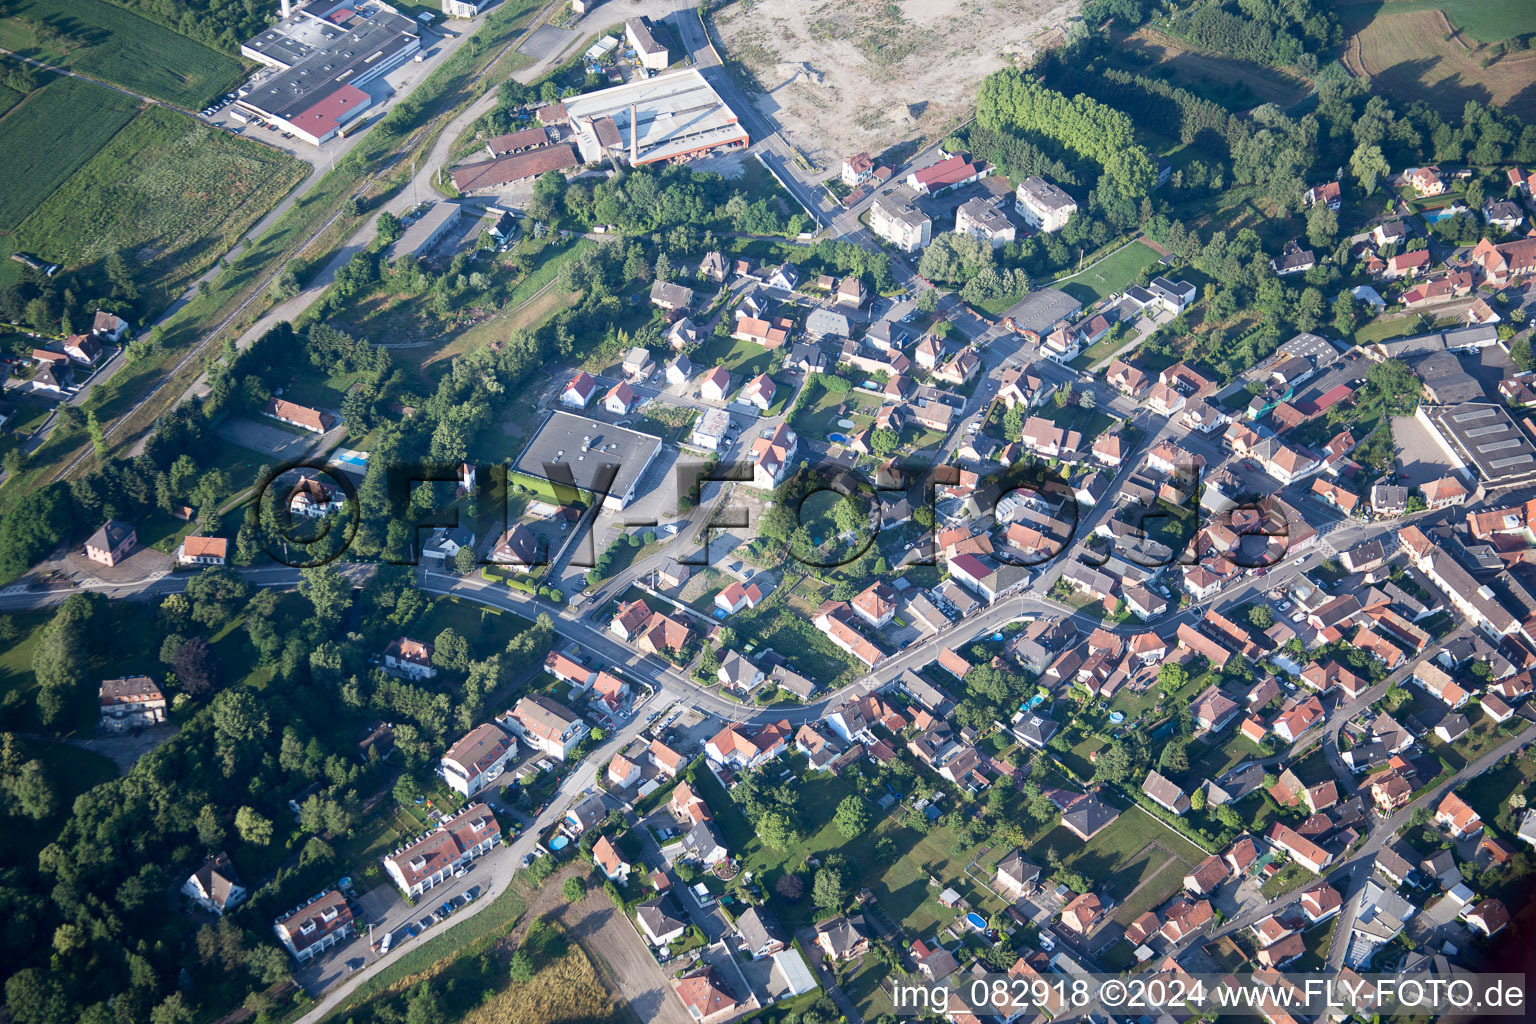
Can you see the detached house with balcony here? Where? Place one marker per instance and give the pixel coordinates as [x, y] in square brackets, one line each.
[132, 702]
[547, 725]
[478, 759]
[409, 659]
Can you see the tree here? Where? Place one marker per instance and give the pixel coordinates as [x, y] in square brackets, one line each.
[32, 792]
[522, 969]
[853, 816]
[98, 436]
[1520, 353]
[423, 1008]
[1172, 677]
[1369, 167]
[328, 591]
[1260, 617]
[450, 650]
[927, 300]
[1322, 226]
[1114, 764]
[1174, 760]
[884, 442]
[210, 830]
[196, 667]
[1346, 314]
[465, 560]
[1197, 799]
[789, 886]
[1396, 384]
[827, 889]
[172, 1010]
[573, 890]
[253, 828]
[776, 831]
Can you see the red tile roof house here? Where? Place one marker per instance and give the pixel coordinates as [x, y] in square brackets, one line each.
[112, 543]
[1460, 820]
[568, 670]
[614, 867]
[1320, 903]
[946, 174]
[433, 858]
[738, 596]
[195, 550]
[621, 399]
[409, 658]
[477, 759]
[130, 703]
[1206, 876]
[316, 926]
[301, 416]
[1300, 849]
[579, 391]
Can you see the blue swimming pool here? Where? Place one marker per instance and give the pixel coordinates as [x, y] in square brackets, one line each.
[559, 843]
[976, 921]
[1444, 213]
[352, 458]
[1037, 700]
[837, 438]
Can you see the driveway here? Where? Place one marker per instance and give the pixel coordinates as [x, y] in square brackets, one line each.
[271, 439]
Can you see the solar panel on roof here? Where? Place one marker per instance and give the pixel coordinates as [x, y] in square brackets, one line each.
[1518, 460]
[1481, 431]
[1494, 446]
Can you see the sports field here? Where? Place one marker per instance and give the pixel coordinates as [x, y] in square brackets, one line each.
[1113, 273]
[173, 193]
[1403, 46]
[107, 42]
[44, 140]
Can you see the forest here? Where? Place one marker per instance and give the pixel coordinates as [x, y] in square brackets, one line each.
[86, 932]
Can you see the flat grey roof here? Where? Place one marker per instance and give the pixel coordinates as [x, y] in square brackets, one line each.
[1489, 439]
[560, 439]
[349, 56]
[676, 113]
[1040, 311]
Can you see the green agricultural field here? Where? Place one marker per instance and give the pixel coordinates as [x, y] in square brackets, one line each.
[104, 41]
[173, 193]
[44, 140]
[9, 98]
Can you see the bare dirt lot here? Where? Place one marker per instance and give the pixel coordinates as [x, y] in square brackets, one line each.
[1408, 55]
[841, 76]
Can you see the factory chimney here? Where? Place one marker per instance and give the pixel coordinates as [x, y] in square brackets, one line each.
[287, 8]
[634, 136]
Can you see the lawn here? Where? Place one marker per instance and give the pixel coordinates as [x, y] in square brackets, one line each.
[107, 42]
[173, 193]
[901, 888]
[819, 415]
[783, 622]
[487, 629]
[1142, 861]
[44, 140]
[743, 359]
[1489, 792]
[1114, 273]
[1089, 422]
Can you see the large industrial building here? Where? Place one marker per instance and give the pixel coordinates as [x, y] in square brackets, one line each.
[679, 117]
[591, 449]
[322, 54]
